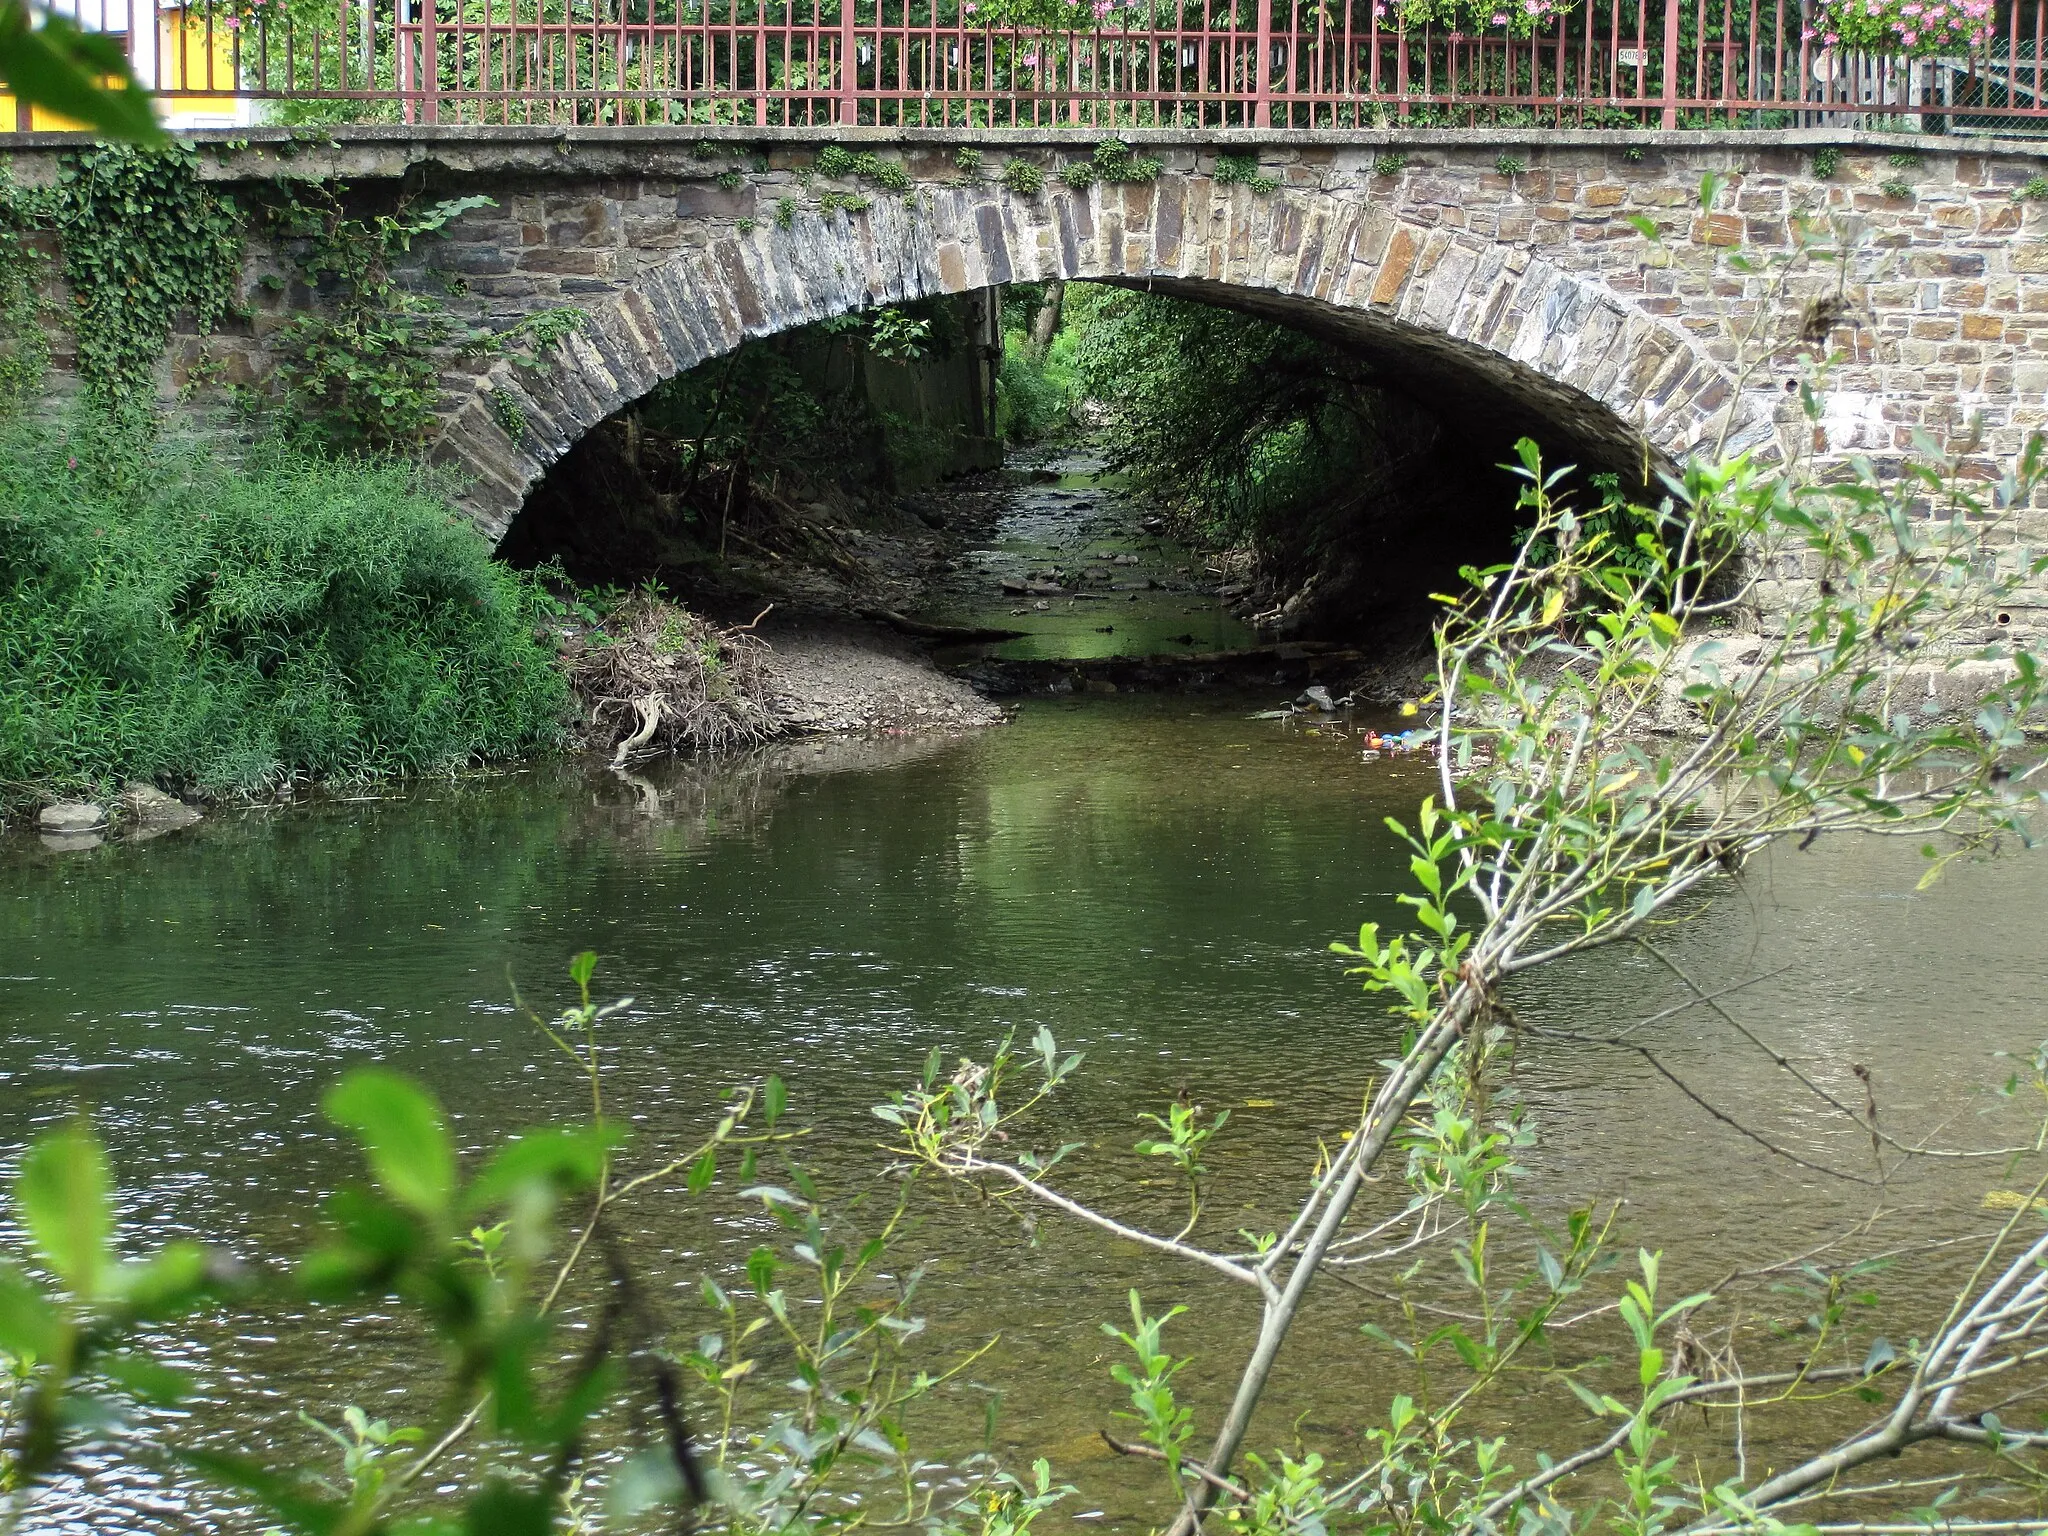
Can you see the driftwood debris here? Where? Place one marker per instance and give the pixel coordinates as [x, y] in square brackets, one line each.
[656, 678]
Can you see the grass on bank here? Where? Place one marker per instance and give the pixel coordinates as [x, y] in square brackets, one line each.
[168, 617]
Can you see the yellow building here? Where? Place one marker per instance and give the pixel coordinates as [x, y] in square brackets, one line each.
[185, 50]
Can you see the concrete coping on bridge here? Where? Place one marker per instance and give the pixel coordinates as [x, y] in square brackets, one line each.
[474, 145]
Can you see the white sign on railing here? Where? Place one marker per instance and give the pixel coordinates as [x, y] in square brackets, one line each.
[1632, 58]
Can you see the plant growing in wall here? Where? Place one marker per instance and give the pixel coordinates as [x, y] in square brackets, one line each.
[143, 240]
[1023, 178]
[1243, 171]
[363, 370]
[1113, 161]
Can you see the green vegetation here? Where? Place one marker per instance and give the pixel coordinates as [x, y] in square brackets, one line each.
[1113, 161]
[837, 160]
[1022, 177]
[724, 460]
[1532, 1372]
[1560, 824]
[1235, 420]
[47, 60]
[364, 369]
[1243, 171]
[1037, 389]
[164, 617]
[143, 240]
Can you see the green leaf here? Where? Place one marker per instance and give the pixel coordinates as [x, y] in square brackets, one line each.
[559, 1159]
[145, 1379]
[281, 1496]
[644, 1480]
[65, 1200]
[583, 967]
[1595, 1403]
[774, 1100]
[176, 1277]
[702, 1172]
[403, 1138]
[77, 74]
[29, 1325]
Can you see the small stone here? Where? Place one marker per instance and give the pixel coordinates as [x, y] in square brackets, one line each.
[72, 816]
[71, 842]
[150, 805]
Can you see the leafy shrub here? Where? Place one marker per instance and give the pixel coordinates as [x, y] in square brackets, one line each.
[164, 617]
[1243, 170]
[1023, 178]
[1034, 395]
[837, 160]
[1112, 161]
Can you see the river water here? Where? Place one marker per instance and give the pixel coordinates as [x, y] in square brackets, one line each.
[1155, 879]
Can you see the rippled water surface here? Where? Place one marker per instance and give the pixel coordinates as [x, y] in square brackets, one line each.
[1155, 880]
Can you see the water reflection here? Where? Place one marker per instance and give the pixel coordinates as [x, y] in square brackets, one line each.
[1156, 881]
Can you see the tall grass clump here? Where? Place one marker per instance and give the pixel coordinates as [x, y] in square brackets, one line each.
[227, 629]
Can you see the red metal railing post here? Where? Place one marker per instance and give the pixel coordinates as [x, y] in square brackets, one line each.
[430, 61]
[1670, 63]
[1262, 106]
[849, 68]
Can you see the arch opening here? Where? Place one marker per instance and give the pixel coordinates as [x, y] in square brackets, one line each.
[799, 466]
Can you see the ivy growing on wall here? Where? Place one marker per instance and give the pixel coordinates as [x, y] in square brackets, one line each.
[24, 349]
[143, 239]
[363, 370]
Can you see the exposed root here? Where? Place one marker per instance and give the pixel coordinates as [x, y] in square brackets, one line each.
[658, 679]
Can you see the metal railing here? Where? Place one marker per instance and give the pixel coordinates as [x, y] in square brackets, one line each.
[1145, 63]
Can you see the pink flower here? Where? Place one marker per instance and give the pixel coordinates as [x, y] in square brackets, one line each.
[234, 22]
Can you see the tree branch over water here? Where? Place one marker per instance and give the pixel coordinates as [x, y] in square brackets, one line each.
[1616, 738]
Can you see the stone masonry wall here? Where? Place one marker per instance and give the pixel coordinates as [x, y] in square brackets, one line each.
[1495, 274]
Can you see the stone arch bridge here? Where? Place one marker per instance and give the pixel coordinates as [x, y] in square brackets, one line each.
[1505, 279]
